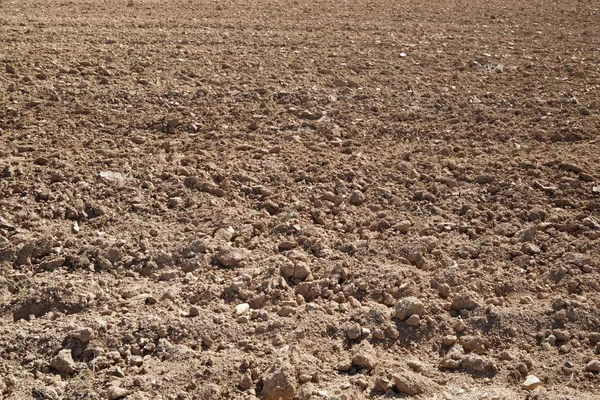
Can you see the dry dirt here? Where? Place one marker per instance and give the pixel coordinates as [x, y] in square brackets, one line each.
[308, 199]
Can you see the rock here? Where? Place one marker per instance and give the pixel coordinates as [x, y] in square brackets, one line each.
[409, 306]
[63, 362]
[356, 198]
[412, 383]
[413, 320]
[473, 343]
[527, 234]
[194, 311]
[286, 311]
[562, 335]
[364, 356]
[444, 290]
[242, 308]
[577, 259]
[477, 363]
[117, 392]
[593, 366]
[382, 384]
[484, 179]
[454, 357]
[279, 382]
[403, 226]
[449, 340]
[464, 301]
[530, 249]
[287, 245]
[245, 382]
[531, 382]
[136, 361]
[231, 258]
[354, 332]
[84, 334]
[299, 270]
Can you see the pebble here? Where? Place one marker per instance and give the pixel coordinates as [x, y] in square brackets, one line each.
[354, 332]
[409, 306]
[412, 383]
[231, 258]
[116, 392]
[449, 340]
[531, 382]
[63, 362]
[464, 301]
[593, 366]
[136, 361]
[356, 198]
[413, 320]
[84, 334]
[279, 382]
[194, 311]
[242, 308]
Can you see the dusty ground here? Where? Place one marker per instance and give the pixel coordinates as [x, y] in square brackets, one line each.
[308, 199]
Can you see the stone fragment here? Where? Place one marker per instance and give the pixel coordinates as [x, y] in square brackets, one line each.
[63, 362]
[531, 382]
[412, 383]
[279, 382]
[409, 306]
[231, 258]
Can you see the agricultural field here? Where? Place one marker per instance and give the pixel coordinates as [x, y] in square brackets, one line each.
[301, 199]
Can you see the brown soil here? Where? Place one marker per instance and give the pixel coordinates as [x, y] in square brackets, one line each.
[309, 199]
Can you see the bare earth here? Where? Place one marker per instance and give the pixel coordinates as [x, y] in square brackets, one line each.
[299, 199]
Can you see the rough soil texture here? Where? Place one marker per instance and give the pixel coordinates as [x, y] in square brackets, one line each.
[299, 200]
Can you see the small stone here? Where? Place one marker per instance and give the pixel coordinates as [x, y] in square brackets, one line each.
[530, 249]
[527, 234]
[63, 362]
[477, 363]
[84, 334]
[484, 179]
[403, 226]
[194, 311]
[444, 290]
[593, 366]
[364, 359]
[413, 320]
[531, 382]
[117, 392]
[378, 334]
[449, 340]
[409, 306]
[464, 301]
[356, 198]
[286, 311]
[354, 332]
[231, 258]
[412, 383]
[473, 343]
[245, 382]
[279, 382]
[136, 361]
[242, 308]
[577, 259]
[382, 384]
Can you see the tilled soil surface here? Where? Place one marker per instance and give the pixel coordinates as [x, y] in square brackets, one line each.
[299, 200]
